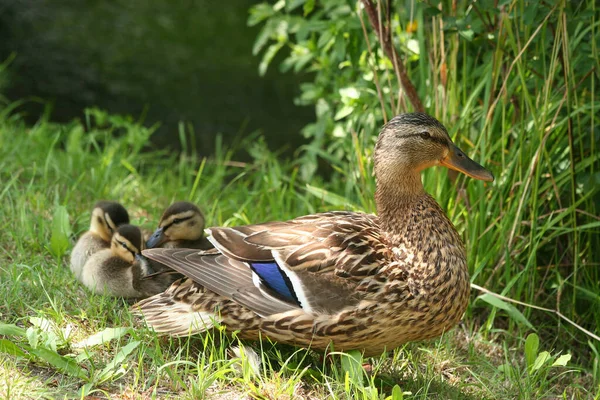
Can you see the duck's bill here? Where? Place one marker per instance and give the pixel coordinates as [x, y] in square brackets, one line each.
[157, 238]
[458, 160]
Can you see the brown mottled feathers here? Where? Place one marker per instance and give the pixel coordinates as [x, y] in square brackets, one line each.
[340, 247]
[340, 241]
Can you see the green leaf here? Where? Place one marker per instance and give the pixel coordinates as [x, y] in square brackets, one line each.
[308, 7]
[12, 330]
[562, 360]
[86, 390]
[291, 5]
[349, 93]
[328, 197]
[259, 13]
[43, 324]
[540, 360]
[114, 367]
[504, 368]
[61, 230]
[63, 364]
[512, 311]
[467, 34]
[47, 333]
[268, 57]
[397, 393]
[101, 337]
[32, 337]
[8, 347]
[343, 112]
[352, 366]
[532, 344]
[262, 38]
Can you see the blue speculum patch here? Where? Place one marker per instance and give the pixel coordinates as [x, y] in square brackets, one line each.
[276, 280]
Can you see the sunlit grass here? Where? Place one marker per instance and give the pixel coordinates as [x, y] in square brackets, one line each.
[531, 235]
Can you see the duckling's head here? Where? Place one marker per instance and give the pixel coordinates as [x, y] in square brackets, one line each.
[181, 221]
[411, 142]
[107, 216]
[127, 242]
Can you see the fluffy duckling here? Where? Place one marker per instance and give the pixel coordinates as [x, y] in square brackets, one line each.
[122, 271]
[106, 218]
[181, 226]
[114, 270]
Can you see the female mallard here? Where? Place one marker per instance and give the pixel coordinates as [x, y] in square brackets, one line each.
[106, 217]
[354, 280]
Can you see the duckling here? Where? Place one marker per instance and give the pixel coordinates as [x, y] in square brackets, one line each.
[122, 271]
[114, 270]
[106, 218]
[181, 226]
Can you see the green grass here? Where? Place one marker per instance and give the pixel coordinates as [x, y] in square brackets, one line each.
[48, 169]
[526, 108]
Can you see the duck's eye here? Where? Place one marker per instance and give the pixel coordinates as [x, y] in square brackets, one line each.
[123, 245]
[177, 220]
[425, 135]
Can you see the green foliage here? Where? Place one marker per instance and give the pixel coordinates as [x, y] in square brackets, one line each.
[516, 83]
[161, 62]
[61, 230]
[536, 377]
[511, 310]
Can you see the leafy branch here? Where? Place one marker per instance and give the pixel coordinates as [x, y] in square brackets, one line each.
[385, 38]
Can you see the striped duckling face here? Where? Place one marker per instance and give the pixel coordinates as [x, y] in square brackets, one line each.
[127, 243]
[107, 216]
[415, 141]
[181, 221]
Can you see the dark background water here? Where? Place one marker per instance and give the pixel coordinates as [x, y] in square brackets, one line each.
[165, 61]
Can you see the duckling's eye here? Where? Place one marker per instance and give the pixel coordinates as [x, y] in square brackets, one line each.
[425, 135]
[123, 245]
[177, 220]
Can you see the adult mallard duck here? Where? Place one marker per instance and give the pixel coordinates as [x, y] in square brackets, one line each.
[354, 280]
[181, 226]
[106, 218]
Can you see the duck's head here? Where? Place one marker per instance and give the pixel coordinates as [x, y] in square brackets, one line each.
[107, 216]
[127, 242]
[411, 142]
[181, 221]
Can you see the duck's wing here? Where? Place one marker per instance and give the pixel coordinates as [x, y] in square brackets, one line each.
[314, 263]
[222, 275]
[348, 244]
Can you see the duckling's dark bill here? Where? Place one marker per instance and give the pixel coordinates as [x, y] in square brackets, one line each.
[156, 239]
[458, 160]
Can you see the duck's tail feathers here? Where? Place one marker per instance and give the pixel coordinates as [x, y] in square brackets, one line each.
[169, 313]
